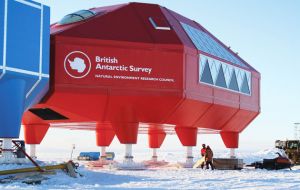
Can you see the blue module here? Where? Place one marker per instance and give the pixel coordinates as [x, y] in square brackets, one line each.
[90, 155]
[24, 60]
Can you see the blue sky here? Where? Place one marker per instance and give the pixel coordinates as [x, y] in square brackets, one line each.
[265, 33]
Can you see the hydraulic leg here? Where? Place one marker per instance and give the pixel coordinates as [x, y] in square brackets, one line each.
[188, 138]
[104, 136]
[232, 153]
[33, 151]
[35, 133]
[128, 153]
[127, 134]
[154, 154]
[103, 153]
[230, 139]
[7, 155]
[156, 137]
[189, 156]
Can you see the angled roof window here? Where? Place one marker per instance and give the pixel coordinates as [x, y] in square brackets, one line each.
[206, 43]
[76, 17]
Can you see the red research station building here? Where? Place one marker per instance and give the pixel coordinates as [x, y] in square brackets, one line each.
[142, 68]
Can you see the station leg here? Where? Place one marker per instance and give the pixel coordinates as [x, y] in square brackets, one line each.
[32, 151]
[104, 137]
[127, 133]
[232, 153]
[189, 156]
[35, 133]
[128, 153]
[154, 154]
[187, 135]
[188, 138]
[7, 155]
[156, 138]
[103, 153]
[128, 163]
[230, 139]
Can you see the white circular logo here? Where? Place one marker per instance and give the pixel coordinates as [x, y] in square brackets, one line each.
[77, 64]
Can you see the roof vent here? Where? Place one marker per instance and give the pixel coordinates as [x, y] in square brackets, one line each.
[76, 17]
[159, 23]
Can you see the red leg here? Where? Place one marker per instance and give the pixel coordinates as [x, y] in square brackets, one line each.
[187, 135]
[230, 139]
[126, 132]
[35, 133]
[104, 135]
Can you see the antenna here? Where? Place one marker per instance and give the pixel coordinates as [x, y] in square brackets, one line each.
[297, 131]
[73, 147]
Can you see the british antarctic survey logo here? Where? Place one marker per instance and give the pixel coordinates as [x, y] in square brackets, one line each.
[77, 64]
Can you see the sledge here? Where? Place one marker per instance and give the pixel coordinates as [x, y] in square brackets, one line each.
[69, 167]
[278, 163]
[228, 163]
[199, 162]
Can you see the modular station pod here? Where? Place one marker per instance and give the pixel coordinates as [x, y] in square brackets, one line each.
[24, 64]
[142, 68]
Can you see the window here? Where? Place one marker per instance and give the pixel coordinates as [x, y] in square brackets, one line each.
[233, 85]
[206, 75]
[293, 145]
[76, 17]
[245, 86]
[221, 82]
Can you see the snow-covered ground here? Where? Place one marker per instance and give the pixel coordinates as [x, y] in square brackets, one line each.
[171, 178]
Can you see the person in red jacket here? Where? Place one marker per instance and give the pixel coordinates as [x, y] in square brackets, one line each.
[203, 153]
[203, 150]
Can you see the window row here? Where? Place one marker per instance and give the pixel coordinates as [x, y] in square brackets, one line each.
[223, 75]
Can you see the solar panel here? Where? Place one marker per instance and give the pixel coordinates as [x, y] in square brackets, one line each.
[207, 44]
